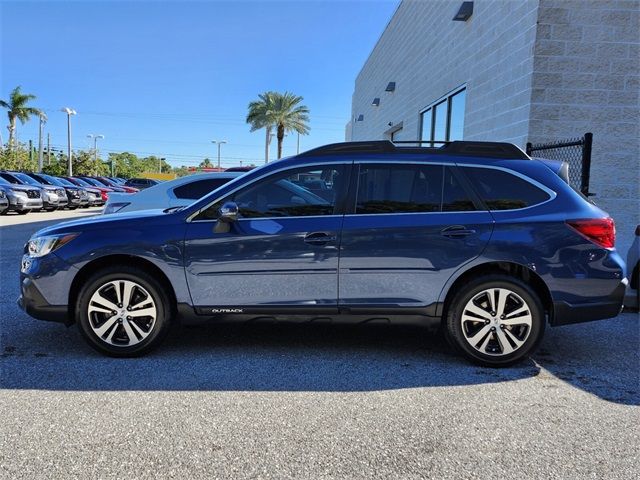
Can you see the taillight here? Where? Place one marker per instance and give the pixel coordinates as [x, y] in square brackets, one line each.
[601, 231]
[104, 196]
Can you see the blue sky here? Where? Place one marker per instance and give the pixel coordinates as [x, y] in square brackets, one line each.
[166, 78]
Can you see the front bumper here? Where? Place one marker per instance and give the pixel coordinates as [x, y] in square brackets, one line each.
[4, 204]
[34, 304]
[20, 204]
[75, 202]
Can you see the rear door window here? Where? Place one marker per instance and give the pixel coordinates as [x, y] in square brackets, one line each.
[501, 190]
[399, 188]
[455, 197]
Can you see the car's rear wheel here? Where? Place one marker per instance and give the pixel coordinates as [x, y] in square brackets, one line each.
[495, 320]
[123, 311]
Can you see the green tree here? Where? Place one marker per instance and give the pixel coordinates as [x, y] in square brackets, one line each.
[152, 164]
[259, 117]
[17, 109]
[282, 111]
[126, 164]
[206, 163]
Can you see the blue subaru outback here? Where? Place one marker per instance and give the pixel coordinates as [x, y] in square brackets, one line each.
[476, 236]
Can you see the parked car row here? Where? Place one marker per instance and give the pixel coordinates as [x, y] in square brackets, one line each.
[23, 192]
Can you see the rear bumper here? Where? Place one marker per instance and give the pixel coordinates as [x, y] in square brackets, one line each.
[565, 313]
[34, 303]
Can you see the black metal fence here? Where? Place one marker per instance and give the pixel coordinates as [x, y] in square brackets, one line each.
[575, 151]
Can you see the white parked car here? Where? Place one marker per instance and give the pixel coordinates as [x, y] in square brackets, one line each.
[173, 193]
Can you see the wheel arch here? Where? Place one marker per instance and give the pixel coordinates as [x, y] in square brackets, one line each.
[511, 269]
[97, 264]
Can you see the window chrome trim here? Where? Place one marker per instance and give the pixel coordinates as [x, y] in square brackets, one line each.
[552, 194]
[190, 218]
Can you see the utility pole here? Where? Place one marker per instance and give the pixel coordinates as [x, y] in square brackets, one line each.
[267, 143]
[298, 147]
[69, 112]
[43, 120]
[95, 145]
[219, 142]
[30, 151]
[48, 149]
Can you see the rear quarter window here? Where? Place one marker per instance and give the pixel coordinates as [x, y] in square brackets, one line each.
[502, 190]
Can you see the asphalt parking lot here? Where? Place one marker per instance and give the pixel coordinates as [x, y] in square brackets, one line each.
[278, 401]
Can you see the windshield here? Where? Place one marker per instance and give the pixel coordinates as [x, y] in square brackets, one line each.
[106, 182]
[93, 182]
[10, 178]
[65, 182]
[79, 181]
[4, 182]
[50, 179]
[26, 178]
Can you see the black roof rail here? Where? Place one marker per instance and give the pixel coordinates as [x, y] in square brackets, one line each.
[458, 147]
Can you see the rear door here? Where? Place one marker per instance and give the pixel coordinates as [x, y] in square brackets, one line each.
[411, 226]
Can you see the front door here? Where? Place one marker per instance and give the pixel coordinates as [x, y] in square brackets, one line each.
[412, 226]
[281, 252]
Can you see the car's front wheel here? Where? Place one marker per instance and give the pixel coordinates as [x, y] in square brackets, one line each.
[495, 320]
[123, 311]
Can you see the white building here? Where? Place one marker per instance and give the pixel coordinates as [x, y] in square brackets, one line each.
[518, 71]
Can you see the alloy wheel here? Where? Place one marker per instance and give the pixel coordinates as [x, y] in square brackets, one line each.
[122, 313]
[496, 321]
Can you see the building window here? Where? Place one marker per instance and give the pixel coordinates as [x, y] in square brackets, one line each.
[444, 120]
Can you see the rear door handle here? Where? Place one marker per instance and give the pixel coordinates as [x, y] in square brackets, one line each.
[319, 238]
[457, 231]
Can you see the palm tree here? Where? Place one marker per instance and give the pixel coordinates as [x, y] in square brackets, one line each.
[17, 109]
[259, 117]
[281, 111]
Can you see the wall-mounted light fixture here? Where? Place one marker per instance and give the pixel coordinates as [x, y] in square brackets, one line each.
[360, 118]
[376, 102]
[391, 86]
[464, 13]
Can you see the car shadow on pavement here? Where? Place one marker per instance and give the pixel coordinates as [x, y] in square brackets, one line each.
[278, 357]
[331, 358]
[601, 357]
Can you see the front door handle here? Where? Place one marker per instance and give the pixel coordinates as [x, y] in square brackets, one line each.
[319, 238]
[457, 231]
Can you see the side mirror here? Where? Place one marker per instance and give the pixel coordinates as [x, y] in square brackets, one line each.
[228, 212]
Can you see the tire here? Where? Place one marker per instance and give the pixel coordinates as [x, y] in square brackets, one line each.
[22, 212]
[122, 335]
[492, 340]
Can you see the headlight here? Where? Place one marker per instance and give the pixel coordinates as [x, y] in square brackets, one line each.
[40, 246]
[115, 207]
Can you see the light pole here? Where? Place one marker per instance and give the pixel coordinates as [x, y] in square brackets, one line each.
[219, 142]
[69, 112]
[43, 120]
[95, 144]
